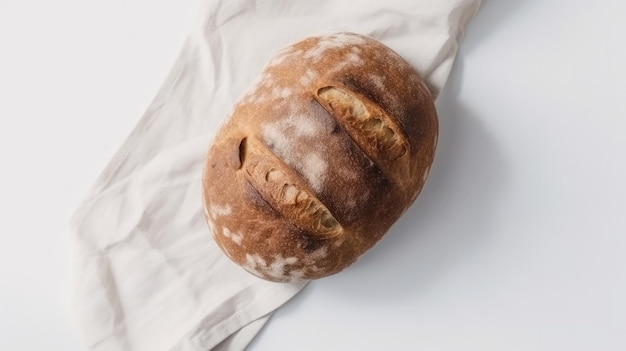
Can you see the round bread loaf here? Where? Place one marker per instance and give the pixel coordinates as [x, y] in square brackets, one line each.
[316, 162]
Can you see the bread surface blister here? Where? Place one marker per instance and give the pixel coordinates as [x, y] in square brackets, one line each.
[326, 150]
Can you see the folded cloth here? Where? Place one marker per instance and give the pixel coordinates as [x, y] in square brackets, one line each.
[148, 274]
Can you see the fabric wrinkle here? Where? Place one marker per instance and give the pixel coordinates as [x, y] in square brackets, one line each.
[107, 278]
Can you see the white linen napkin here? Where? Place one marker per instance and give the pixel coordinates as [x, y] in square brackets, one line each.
[148, 274]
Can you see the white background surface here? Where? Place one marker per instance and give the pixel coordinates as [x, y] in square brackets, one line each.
[518, 241]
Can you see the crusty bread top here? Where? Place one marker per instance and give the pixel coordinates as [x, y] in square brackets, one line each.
[319, 158]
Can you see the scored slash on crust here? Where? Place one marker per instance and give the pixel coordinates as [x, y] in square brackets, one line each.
[322, 155]
[373, 130]
[280, 189]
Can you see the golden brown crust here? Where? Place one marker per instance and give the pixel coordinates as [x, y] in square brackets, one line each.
[322, 155]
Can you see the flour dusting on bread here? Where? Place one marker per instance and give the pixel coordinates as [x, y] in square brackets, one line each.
[315, 170]
[235, 237]
[277, 269]
[217, 211]
[282, 138]
[322, 154]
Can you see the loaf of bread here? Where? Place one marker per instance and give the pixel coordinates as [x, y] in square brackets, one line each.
[326, 150]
